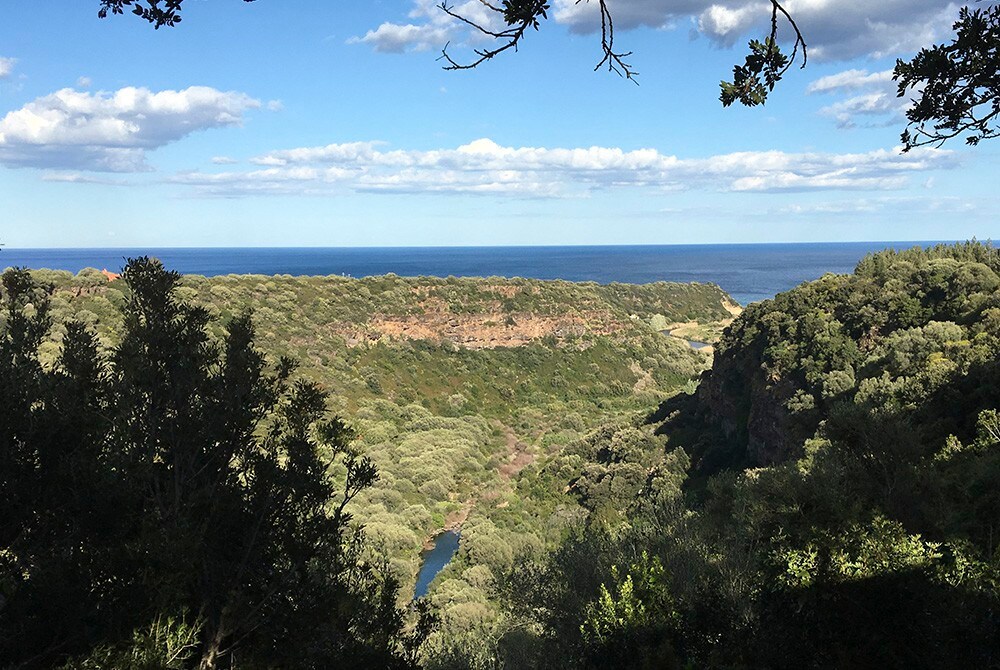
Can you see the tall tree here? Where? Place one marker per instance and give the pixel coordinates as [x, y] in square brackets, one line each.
[177, 479]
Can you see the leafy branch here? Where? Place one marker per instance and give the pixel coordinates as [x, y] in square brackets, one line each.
[157, 12]
[752, 81]
[958, 84]
[765, 65]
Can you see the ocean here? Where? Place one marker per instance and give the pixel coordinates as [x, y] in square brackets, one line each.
[748, 272]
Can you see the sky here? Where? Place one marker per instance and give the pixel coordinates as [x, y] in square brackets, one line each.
[332, 123]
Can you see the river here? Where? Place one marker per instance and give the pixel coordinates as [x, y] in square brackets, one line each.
[434, 560]
[694, 344]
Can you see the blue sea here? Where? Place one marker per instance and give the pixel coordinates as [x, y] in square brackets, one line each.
[748, 272]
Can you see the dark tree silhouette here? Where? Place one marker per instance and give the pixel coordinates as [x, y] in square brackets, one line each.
[957, 84]
[157, 12]
[177, 488]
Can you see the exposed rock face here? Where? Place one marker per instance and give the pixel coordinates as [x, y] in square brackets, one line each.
[490, 327]
[484, 331]
[478, 314]
[750, 408]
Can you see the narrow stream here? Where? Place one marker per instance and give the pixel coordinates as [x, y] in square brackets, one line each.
[434, 560]
[694, 344]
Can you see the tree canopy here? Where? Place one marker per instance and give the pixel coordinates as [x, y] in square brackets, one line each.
[826, 498]
[176, 497]
[958, 84]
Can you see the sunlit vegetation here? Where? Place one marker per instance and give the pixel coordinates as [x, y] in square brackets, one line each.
[825, 495]
[827, 498]
[459, 427]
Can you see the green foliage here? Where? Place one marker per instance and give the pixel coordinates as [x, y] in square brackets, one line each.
[517, 12]
[157, 12]
[757, 77]
[453, 430]
[634, 620]
[904, 334]
[861, 552]
[399, 387]
[864, 532]
[168, 643]
[957, 84]
[175, 473]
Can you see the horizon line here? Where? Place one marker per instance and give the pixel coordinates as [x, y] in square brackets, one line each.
[6, 247]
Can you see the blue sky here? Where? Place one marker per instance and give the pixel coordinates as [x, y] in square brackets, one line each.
[319, 123]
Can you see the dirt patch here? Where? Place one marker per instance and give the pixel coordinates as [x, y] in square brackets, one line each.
[518, 457]
[685, 331]
[644, 379]
[455, 519]
[488, 330]
[732, 307]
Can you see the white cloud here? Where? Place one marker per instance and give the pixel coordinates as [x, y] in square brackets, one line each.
[850, 80]
[834, 29]
[726, 24]
[7, 67]
[224, 160]
[78, 178]
[872, 99]
[111, 132]
[430, 28]
[396, 38]
[84, 82]
[870, 206]
[484, 167]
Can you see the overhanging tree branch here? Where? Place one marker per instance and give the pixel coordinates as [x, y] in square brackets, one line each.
[157, 12]
[765, 65]
[958, 84]
[752, 81]
[521, 15]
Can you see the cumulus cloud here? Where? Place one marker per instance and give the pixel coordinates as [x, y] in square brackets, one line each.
[111, 132]
[834, 29]
[430, 28]
[485, 167]
[850, 80]
[7, 67]
[871, 99]
[397, 38]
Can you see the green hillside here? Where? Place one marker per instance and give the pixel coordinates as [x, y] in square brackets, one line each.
[827, 497]
[453, 385]
[821, 491]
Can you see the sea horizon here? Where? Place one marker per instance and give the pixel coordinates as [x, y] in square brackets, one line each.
[749, 272]
[6, 247]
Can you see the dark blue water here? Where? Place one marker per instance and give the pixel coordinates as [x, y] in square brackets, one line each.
[433, 560]
[748, 272]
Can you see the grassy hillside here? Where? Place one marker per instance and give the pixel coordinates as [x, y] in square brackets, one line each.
[455, 386]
